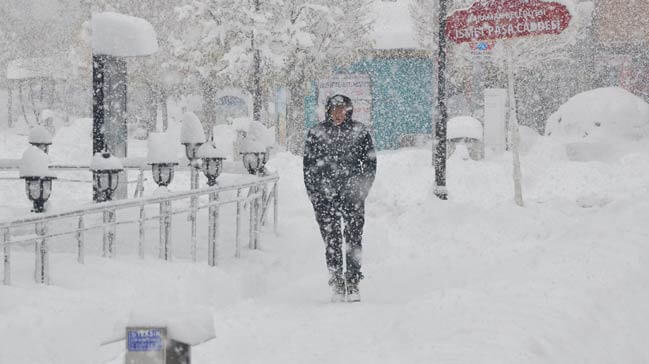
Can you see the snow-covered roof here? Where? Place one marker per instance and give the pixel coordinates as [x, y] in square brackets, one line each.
[122, 35]
[43, 67]
[393, 26]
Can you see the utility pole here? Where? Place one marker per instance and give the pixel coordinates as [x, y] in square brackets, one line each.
[439, 153]
[256, 92]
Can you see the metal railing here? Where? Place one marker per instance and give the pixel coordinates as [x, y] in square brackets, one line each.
[255, 195]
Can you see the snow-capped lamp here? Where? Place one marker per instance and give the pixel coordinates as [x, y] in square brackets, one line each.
[212, 161]
[161, 158]
[192, 136]
[255, 147]
[40, 137]
[106, 169]
[34, 169]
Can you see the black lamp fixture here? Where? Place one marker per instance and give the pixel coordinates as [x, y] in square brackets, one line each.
[39, 190]
[255, 162]
[212, 162]
[191, 151]
[163, 173]
[106, 170]
[34, 169]
[162, 159]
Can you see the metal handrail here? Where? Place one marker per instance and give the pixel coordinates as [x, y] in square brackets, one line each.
[258, 199]
[137, 202]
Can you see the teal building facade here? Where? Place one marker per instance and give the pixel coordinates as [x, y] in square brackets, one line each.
[402, 95]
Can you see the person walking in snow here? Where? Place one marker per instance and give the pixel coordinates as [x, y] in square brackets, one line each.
[339, 168]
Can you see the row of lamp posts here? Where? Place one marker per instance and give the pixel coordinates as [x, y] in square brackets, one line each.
[106, 169]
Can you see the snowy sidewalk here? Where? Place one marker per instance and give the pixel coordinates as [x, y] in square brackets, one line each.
[473, 279]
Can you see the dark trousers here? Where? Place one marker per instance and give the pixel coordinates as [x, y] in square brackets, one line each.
[329, 215]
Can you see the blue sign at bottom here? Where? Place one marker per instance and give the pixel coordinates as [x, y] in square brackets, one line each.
[145, 340]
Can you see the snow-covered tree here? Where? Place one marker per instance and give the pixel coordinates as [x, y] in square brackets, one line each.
[318, 39]
[296, 40]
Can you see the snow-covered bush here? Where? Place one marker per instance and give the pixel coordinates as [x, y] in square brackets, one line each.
[600, 124]
[609, 114]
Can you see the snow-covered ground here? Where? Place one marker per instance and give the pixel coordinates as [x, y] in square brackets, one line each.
[473, 279]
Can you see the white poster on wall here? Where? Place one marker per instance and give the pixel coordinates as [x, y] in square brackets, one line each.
[356, 86]
[495, 112]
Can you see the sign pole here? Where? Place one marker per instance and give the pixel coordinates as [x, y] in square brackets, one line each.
[513, 126]
[439, 153]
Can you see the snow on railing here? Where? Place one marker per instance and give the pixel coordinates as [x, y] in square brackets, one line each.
[256, 196]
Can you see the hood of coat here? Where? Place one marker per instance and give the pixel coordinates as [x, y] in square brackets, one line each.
[338, 100]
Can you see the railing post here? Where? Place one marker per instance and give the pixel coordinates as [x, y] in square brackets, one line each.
[237, 239]
[42, 266]
[213, 230]
[165, 230]
[4, 238]
[257, 208]
[109, 234]
[193, 201]
[251, 225]
[140, 242]
[81, 248]
[275, 207]
[139, 188]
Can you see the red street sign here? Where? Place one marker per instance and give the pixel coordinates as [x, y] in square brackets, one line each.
[504, 19]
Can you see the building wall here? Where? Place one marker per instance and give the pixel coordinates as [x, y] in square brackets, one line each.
[622, 35]
[622, 21]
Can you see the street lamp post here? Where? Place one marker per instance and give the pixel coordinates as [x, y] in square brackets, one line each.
[106, 170]
[192, 137]
[255, 162]
[212, 168]
[439, 154]
[34, 169]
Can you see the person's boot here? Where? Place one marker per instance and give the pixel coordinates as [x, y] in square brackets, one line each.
[353, 294]
[337, 284]
[352, 278]
[337, 293]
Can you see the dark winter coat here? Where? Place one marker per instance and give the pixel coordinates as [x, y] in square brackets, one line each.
[339, 162]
